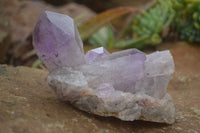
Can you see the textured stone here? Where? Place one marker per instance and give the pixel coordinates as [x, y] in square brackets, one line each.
[5, 35]
[27, 103]
[57, 42]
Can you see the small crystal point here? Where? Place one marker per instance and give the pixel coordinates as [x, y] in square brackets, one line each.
[96, 53]
[57, 42]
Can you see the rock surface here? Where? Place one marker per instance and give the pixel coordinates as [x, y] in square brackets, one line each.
[4, 36]
[28, 104]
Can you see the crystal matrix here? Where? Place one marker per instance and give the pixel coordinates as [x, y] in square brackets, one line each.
[129, 84]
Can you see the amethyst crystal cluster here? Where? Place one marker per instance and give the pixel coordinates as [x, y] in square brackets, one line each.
[129, 84]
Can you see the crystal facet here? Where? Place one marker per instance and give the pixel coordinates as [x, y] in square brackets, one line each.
[128, 84]
[157, 72]
[57, 42]
[96, 54]
[110, 71]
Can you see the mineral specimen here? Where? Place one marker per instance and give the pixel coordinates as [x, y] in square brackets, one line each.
[57, 42]
[129, 84]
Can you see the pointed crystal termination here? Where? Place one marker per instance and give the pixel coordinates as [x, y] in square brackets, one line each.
[96, 53]
[57, 42]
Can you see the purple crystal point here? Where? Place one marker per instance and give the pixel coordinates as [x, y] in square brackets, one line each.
[96, 54]
[57, 42]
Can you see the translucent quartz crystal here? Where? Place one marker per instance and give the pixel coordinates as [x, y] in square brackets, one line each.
[158, 69]
[128, 84]
[95, 54]
[57, 42]
[120, 72]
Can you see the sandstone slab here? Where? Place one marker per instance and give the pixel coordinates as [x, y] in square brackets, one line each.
[27, 103]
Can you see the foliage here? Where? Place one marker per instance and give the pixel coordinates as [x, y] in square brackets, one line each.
[148, 26]
[181, 16]
[187, 21]
[93, 25]
[104, 37]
